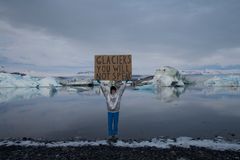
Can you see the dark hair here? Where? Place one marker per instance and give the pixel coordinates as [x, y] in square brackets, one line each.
[113, 88]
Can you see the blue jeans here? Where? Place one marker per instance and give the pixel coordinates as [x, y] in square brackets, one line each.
[113, 123]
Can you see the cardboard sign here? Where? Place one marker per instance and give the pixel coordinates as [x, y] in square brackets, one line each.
[113, 67]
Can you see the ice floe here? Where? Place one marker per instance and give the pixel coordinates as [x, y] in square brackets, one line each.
[168, 76]
[76, 81]
[16, 80]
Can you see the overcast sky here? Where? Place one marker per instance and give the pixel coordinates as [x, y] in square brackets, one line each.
[64, 35]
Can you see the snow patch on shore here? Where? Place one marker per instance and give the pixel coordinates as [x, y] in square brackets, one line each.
[185, 142]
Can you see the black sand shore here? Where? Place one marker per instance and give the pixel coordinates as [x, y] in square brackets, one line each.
[113, 153]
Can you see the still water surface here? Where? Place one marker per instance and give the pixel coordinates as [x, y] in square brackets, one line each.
[144, 114]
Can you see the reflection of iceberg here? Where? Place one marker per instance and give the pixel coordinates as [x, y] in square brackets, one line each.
[16, 80]
[12, 94]
[75, 89]
[222, 92]
[84, 91]
[223, 81]
[168, 76]
[169, 94]
[165, 94]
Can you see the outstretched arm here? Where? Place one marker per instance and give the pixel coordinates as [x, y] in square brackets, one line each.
[103, 88]
[122, 88]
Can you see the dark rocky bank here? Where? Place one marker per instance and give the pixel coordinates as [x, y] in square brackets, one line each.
[113, 153]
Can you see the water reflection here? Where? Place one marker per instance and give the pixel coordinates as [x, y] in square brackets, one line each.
[164, 94]
[216, 92]
[169, 94]
[15, 94]
[79, 90]
[81, 112]
[222, 90]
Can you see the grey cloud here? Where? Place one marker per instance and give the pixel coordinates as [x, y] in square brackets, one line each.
[191, 23]
[185, 30]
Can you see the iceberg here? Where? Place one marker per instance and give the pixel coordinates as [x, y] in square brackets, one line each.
[15, 80]
[168, 77]
[77, 81]
[223, 81]
[48, 81]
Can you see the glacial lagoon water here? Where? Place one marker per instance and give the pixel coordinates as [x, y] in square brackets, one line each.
[81, 113]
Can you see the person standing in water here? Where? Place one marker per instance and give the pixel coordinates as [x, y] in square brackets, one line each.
[113, 97]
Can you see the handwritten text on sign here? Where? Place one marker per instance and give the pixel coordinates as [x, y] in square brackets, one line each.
[113, 67]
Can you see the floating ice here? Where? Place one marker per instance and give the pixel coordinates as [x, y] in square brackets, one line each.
[17, 81]
[13, 80]
[147, 87]
[168, 76]
[77, 81]
[48, 81]
[223, 81]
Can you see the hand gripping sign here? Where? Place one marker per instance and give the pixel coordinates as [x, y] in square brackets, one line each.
[113, 67]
